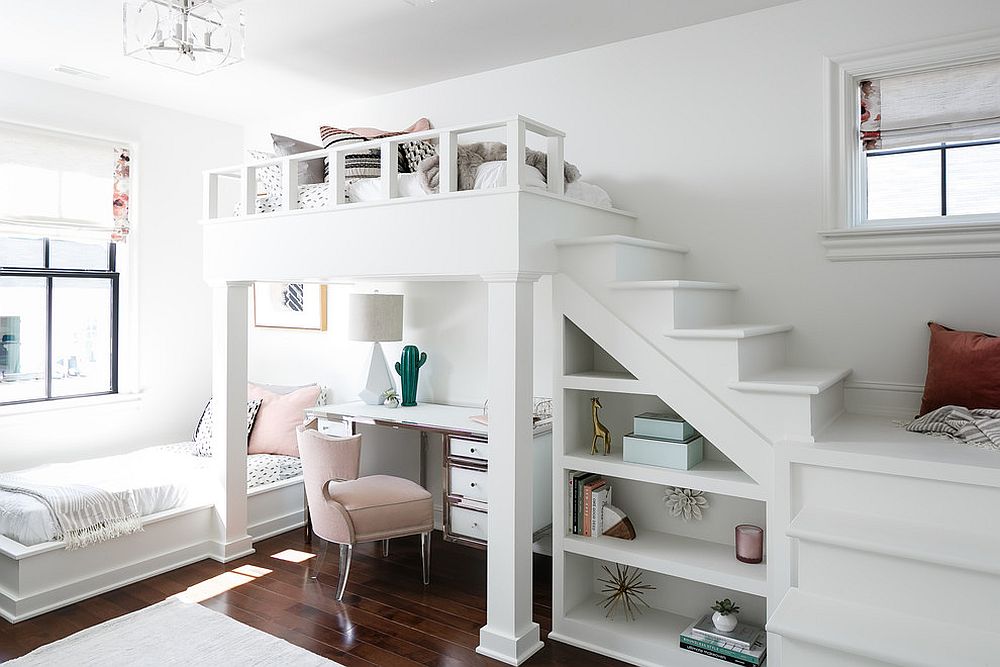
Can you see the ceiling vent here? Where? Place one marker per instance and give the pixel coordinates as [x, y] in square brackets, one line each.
[82, 73]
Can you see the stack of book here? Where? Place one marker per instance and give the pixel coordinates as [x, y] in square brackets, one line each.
[746, 645]
[588, 494]
[663, 440]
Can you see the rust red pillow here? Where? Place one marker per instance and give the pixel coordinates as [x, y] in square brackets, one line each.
[963, 368]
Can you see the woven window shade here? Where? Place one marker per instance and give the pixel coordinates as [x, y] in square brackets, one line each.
[947, 105]
[52, 183]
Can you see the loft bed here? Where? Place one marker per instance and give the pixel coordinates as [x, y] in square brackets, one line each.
[506, 236]
[451, 234]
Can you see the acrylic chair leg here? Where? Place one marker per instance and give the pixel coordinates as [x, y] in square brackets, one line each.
[385, 548]
[346, 551]
[425, 556]
[318, 564]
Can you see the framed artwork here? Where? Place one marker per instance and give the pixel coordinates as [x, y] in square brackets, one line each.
[289, 306]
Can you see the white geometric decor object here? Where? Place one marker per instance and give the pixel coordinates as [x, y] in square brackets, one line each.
[376, 318]
[685, 503]
[192, 36]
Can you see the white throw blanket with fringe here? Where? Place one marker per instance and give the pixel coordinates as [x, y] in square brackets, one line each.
[979, 428]
[85, 514]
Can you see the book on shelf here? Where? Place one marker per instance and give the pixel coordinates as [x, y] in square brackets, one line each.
[747, 643]
[601, 497]
[588, 494]
[718, 656]
[576, 482]
[588, 504]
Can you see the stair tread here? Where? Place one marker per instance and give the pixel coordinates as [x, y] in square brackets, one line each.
[729, 331]
[895, 638]
[672, 284]
[894, 537]
[792, 380]
[620, 239]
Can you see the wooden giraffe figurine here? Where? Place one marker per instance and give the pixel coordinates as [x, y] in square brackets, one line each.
[600, 430]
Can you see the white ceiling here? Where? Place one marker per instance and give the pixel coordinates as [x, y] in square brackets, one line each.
[329, 51]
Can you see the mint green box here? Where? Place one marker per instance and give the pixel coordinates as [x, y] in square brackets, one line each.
[663, 453]
[662, 425]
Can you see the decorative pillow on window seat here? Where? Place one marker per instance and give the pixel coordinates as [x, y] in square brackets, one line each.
[203, 432]
[366, 163]
[963, 368]
[280, 414]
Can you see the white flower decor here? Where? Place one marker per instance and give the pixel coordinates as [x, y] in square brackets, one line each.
[685, 503]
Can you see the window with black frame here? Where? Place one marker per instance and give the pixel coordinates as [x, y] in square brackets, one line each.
[931, 145]
[63, 199]
[58, 319]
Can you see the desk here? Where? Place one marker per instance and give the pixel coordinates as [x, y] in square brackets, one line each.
[465, 478]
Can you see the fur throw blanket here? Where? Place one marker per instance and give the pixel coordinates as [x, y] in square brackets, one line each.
[470, 156]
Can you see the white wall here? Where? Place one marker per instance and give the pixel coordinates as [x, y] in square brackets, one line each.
[173, 303]
[713, 135]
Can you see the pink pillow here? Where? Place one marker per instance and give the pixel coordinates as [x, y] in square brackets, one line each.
[274, 429]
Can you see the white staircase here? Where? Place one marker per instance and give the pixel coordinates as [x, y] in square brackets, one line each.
[743, 366]
[631, 329]
[883, 545]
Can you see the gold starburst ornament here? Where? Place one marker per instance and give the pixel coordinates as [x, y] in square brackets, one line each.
[623, 589]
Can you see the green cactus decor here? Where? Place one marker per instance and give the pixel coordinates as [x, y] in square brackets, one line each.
[408, 368]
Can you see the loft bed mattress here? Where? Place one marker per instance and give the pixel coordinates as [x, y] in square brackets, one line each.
[489, 175]
[162, 478]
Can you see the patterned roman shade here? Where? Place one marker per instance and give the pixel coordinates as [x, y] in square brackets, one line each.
[946, 105]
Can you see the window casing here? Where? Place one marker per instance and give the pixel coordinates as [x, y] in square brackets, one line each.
[849, 232]
[63, 199]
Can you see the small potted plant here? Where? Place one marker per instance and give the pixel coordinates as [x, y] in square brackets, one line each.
[724, 617]
[390, 398]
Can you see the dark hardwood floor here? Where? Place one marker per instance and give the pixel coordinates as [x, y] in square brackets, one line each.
[387, 617]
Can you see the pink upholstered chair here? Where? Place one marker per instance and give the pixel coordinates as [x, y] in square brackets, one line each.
[348, 510]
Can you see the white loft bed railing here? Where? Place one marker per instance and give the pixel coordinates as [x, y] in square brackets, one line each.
[516, 132]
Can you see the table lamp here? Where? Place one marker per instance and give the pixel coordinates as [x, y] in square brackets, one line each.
[376, 318]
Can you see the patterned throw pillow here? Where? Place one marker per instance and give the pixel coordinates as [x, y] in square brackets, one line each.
[413, 153]
[268, 178]
[365, 163]
[203, 433]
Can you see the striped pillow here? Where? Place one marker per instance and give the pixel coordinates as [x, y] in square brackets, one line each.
[364, 163]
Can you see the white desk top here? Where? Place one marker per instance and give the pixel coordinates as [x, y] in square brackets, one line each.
[426, 416]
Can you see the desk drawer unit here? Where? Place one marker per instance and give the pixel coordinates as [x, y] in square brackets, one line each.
[466, 490]
[468, 482]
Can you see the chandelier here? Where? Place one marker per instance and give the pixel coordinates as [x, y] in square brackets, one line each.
[193, 36]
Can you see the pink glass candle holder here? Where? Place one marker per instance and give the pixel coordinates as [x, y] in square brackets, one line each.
[749, 543]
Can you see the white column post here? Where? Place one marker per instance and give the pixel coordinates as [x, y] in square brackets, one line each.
[229, 429]
[509, 634]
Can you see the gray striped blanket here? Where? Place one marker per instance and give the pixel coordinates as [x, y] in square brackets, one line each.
[979, 428]
[85, 514]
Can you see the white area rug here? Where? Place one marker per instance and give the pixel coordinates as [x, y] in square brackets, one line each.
[171, 632]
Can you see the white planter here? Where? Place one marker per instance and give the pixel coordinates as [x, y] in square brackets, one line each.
[724, 622]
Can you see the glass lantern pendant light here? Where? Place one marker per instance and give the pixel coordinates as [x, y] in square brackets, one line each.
[193, 36]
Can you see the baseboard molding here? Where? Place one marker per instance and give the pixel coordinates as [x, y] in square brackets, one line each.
[271, 527]
[883, 399]
[15, 608]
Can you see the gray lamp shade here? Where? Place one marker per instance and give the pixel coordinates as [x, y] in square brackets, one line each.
[376, 317]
